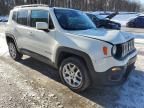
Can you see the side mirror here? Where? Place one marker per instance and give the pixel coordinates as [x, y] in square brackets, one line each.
[41, 25]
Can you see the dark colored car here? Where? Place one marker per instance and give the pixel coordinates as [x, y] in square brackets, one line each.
[3, 20]
[137, 22]
[105, 22]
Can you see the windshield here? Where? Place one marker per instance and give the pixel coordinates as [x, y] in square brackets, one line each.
[100, 17]
[73, 19]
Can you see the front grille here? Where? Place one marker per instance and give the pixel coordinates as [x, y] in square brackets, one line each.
[124, 49]
[127, 47]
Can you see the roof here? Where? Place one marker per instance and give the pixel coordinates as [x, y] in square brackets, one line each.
[39, 6]
[32, 5]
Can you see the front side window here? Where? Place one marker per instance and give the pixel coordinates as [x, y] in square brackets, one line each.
[93, 17]
[22, 17]
[141, 19]
[73, 19]
[38, 16]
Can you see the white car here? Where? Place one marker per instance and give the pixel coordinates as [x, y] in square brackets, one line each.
[68, 40]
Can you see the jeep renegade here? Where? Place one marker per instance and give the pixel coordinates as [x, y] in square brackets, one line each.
[68, 40]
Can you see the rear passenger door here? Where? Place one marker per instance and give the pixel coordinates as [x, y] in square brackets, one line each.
[139, 22]
[21, 29]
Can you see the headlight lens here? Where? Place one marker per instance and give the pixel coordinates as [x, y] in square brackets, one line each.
[114, 49]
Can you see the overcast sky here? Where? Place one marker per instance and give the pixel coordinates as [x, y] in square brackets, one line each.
[142, 1]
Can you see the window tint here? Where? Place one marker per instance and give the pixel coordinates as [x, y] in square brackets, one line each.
[73, 19]
[141, 18]
[38, 16]
[93, 18]
[22, 17]
[14, 17]
[51, 25]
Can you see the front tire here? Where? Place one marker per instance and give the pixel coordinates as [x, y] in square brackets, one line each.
[73, 73]
[13, 51]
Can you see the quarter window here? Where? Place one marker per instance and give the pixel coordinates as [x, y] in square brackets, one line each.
[51, 25]
[38, 16]
[14, 17]
[22, 17]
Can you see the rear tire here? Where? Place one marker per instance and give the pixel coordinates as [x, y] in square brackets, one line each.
[73, 74]
[13, 51]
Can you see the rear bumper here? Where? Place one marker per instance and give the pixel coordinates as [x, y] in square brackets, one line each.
[115, 75]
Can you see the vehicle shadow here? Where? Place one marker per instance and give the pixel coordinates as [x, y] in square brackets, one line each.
[41, 67]
[128, 94]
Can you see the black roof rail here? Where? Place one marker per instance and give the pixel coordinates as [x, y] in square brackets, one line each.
[32, 5]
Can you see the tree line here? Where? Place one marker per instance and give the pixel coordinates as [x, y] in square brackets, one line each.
[85, 5]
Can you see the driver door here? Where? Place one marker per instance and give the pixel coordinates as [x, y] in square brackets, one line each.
[42, 41]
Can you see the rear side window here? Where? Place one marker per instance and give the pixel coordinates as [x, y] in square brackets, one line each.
[14, 17]
[38, 16]
[22, 17]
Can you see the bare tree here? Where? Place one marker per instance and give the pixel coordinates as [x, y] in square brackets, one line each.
[86, 5]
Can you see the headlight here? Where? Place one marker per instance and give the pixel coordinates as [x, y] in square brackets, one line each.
[114, 50]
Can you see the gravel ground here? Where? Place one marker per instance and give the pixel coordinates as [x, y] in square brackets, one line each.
[32, 84]
[17, 92]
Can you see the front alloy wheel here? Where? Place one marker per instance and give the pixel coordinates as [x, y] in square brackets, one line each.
[73, 73]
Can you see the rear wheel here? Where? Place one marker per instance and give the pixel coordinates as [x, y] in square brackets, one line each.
[13, 51]
[73, 73]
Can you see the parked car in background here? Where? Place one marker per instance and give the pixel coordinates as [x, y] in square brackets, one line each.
[137, 22]
[4, 20]
[105, 22]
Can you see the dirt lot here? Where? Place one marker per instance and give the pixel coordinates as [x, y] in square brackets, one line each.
[32, 84]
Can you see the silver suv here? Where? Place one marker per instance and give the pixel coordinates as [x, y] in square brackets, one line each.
[68, 40]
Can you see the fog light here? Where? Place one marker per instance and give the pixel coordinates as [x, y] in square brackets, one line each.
[116, 69]
[116, 74]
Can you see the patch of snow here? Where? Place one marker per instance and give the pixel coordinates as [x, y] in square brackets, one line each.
[124, 18]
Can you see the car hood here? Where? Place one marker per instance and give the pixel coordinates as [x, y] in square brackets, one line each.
[111, 36]
[112, 15]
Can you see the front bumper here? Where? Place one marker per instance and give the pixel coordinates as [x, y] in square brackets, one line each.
[114, 75]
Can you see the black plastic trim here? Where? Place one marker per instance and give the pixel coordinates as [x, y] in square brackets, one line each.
[12, 36]
[104, 78]
[81, 54]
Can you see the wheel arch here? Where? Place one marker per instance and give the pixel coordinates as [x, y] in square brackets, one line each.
[10, 37]
[65, 52]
